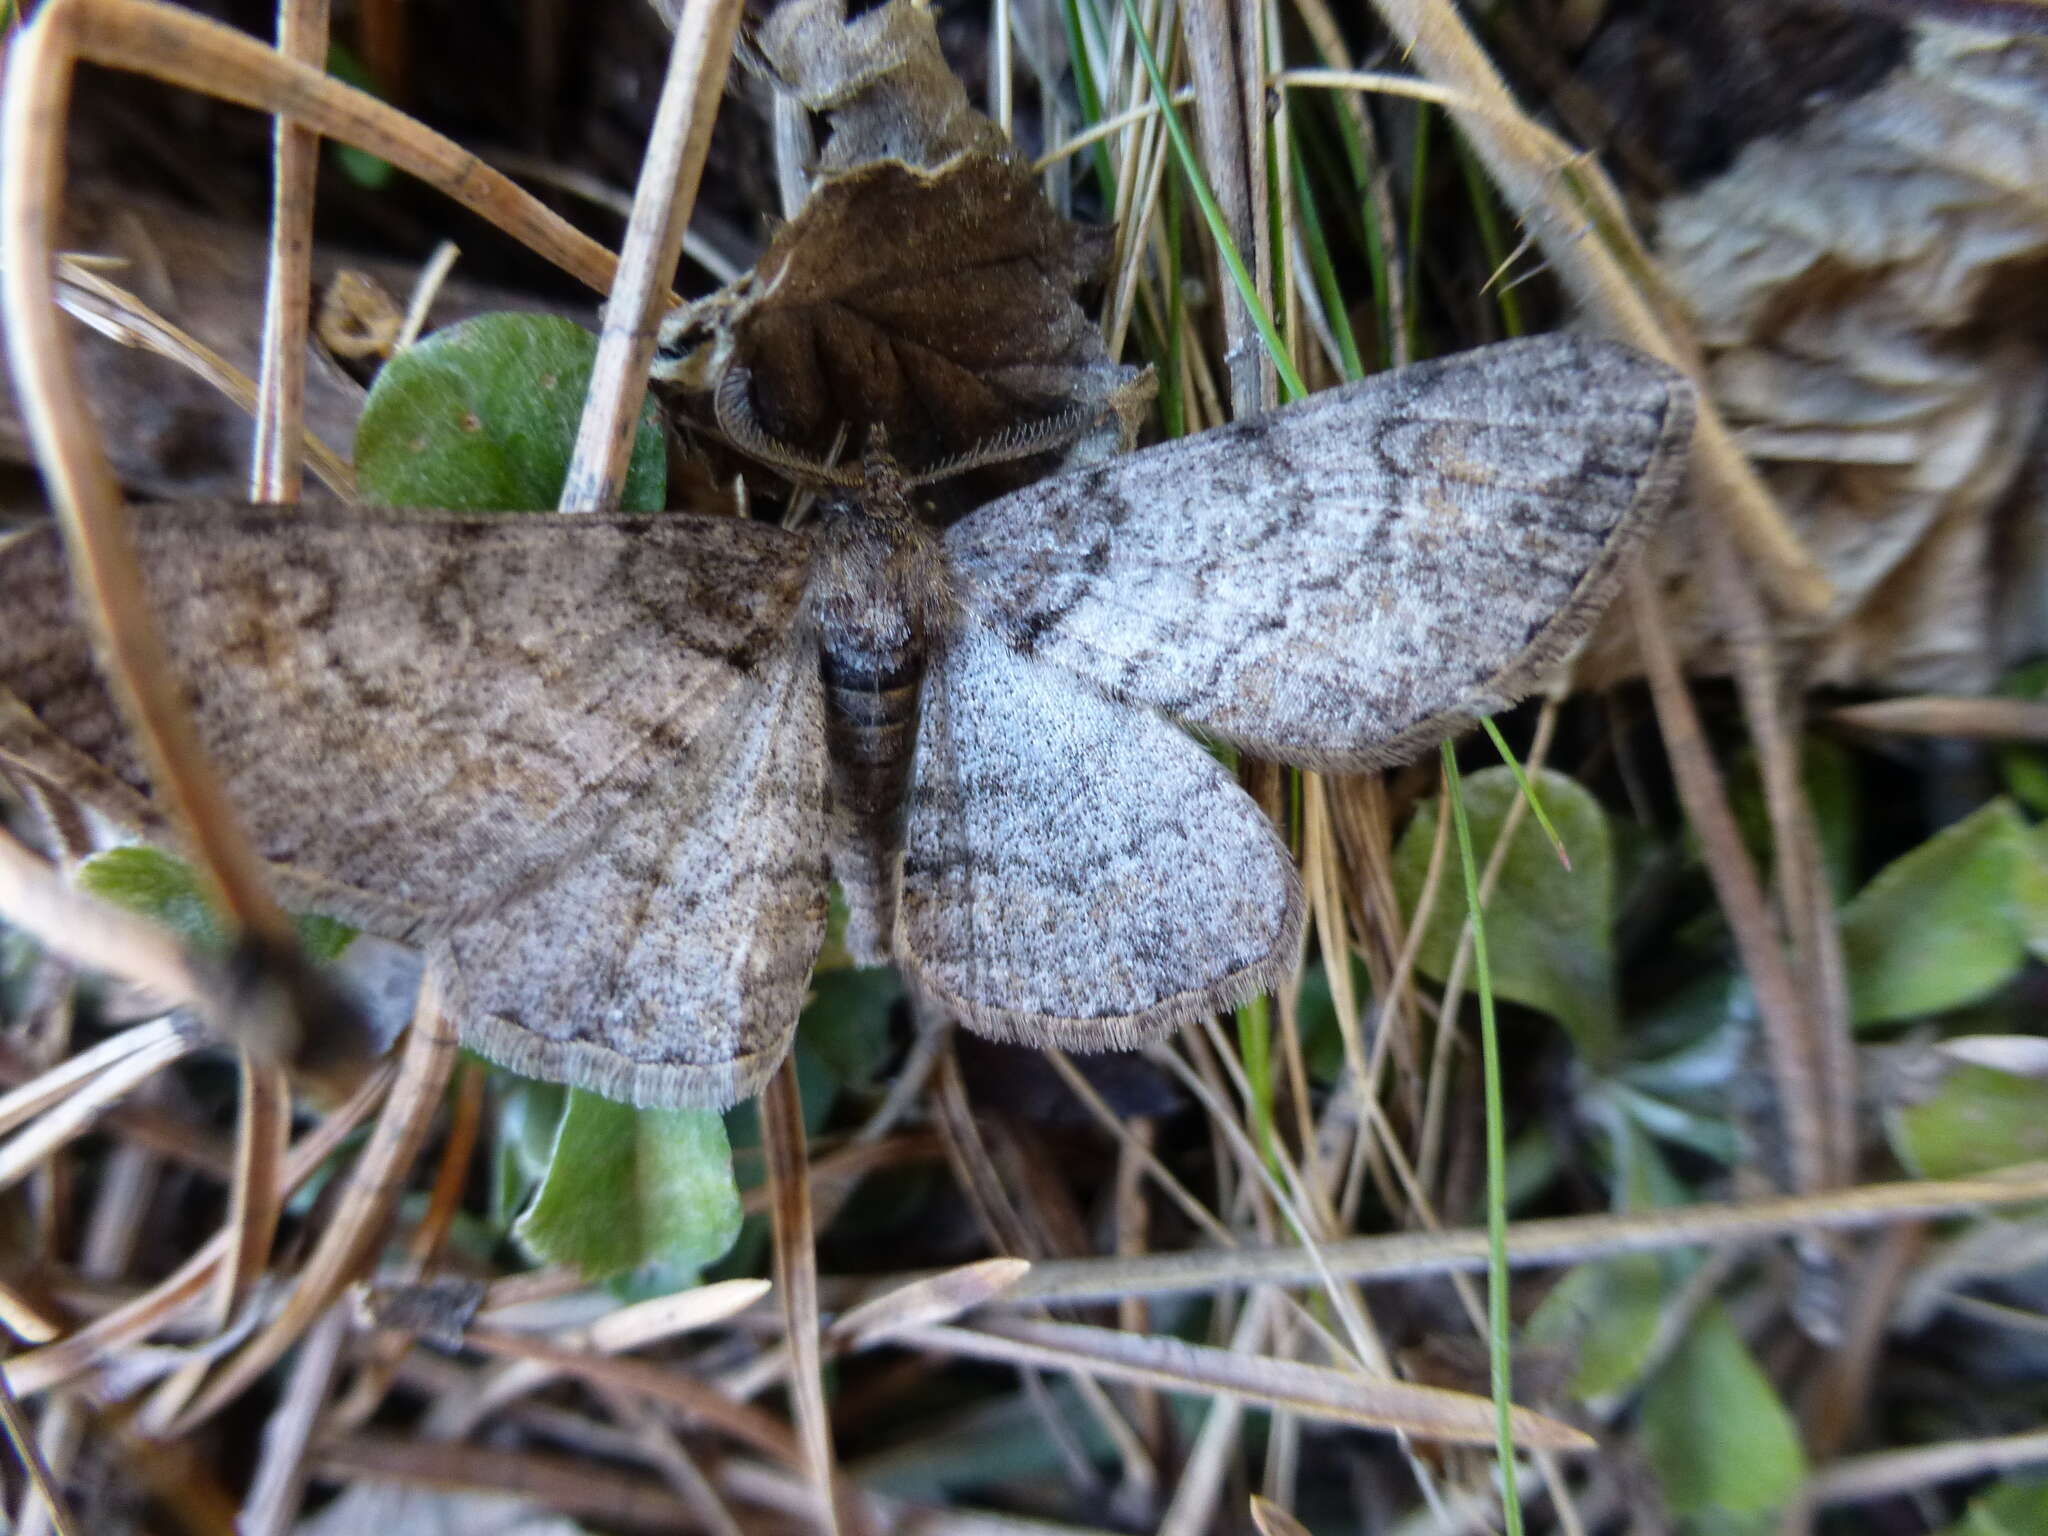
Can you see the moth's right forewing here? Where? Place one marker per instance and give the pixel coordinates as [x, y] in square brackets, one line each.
[667, 964]
[414, 712]
[1344, 581]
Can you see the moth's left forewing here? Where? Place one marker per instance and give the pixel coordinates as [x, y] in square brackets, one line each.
[1342, 582]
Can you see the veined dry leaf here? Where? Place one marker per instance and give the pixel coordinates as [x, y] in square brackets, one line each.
[961, 325]
[881, 79]
[1867, 285]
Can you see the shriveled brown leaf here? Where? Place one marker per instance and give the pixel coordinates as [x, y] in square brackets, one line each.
[1862, 281]
[882, 80]
[964, 324]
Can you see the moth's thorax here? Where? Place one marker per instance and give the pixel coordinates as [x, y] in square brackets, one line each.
[879, 587]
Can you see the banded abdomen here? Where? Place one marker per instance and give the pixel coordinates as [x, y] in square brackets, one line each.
[879, 597]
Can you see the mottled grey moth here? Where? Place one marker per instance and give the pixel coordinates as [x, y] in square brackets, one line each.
[606, 766]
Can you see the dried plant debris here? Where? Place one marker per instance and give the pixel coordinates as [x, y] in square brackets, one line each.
[962, 325]
[606, 764]
[1868, 287]
[170, 433]
[881, 82]
[965, 324]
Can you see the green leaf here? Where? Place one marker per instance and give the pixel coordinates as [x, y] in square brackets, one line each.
[2026, 768]
[1948, 923]
[360, 166]
[158, 887]
[1715, 1431]
[529, 1118]
[629, 1187]
[482, 417]
[166, 891]
[1549, 929]
[1977, 1119]
[1606, 1315]
[847, 1020]
[2016, 1507]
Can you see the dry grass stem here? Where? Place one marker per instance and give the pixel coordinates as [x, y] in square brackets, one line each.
[937, 1299]
[104, 567]
[281, 1469]
[1866, 1479]
[1962, 718]
[1544, 1242]
[256, 1200]
[1174, 1365]
[38, 1370]
[288, 277]
[1609, 291]
[1795, 1057]
[375, 1183]
[796, 1278]
[121, 316]
[669, 173]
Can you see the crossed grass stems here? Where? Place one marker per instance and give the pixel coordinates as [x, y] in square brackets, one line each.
[1286, 1196]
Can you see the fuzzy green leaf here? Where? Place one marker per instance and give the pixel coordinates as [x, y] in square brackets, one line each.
[629, 1187]
[1977, 1119]
[166, 891]
[1714, 1429]
[482, 417]
[1549, 929]
[1948, 923]
[847, 1020]
[1606, 1314]
[2017, 1507]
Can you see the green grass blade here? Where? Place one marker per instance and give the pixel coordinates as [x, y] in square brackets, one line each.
[1418, 179]
[1496, 1156]
[1184, 151]
[1486, 214]
[1507, 755]
[1327, 287]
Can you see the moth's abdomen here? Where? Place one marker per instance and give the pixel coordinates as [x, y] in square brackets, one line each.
[871, 730]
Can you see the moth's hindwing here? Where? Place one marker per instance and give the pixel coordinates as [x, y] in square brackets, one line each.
[1077, 872]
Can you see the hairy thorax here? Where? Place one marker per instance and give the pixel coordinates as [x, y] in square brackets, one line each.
[881, 600]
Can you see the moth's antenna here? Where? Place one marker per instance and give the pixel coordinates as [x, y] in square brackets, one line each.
[1018, 442]
[733, 409]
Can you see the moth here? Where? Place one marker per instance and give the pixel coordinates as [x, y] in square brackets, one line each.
[605, 768]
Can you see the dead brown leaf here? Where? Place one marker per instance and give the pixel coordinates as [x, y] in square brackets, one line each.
[962, 325]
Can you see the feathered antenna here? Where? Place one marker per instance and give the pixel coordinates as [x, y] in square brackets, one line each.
[733, 408]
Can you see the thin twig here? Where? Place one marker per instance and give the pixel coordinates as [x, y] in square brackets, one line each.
[796, 1277]
[288, 281]
[1792, 1052]
[677, 145]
